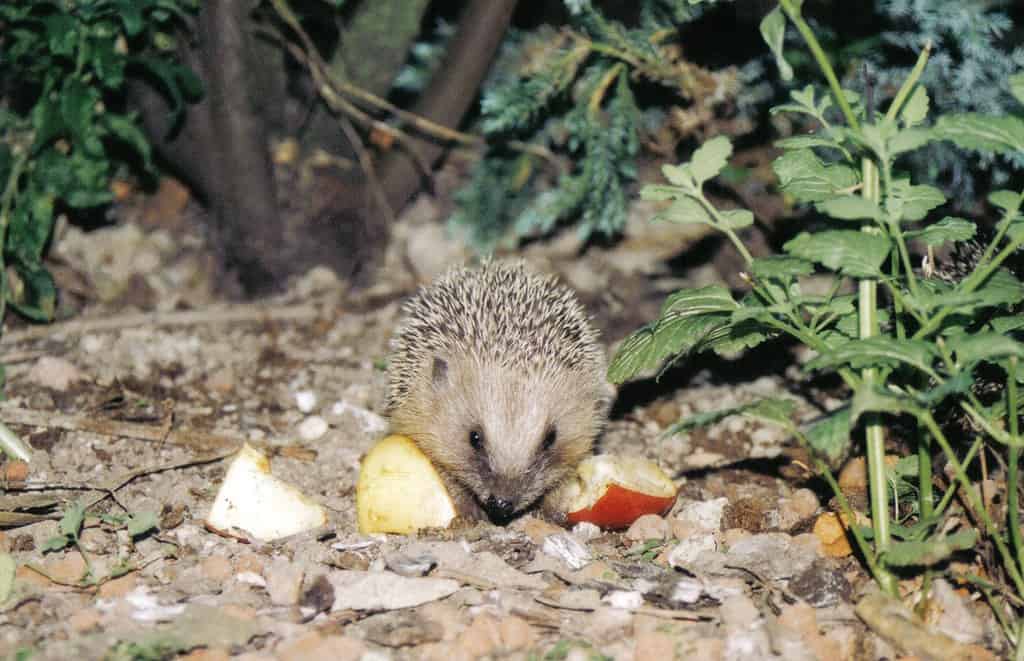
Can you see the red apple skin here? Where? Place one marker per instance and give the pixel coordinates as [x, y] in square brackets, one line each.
[619, 507]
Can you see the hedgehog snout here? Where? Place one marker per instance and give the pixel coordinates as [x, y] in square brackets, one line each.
[499, 510]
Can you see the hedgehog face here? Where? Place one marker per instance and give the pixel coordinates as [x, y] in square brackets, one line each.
[507, 436]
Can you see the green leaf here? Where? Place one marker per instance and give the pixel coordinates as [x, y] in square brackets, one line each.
[866, 400]
[930, 552]
[803, 175]
[1007, 200]
[915, 110]
[735, 219]
[689, 319]
[849, 207]
[684, 211]
[877, 352]
[8, 568]
[907, 202]
[127, 131]
[1003, 134]
[709, 159]
[39, 299]
[142, 522]
[131, 17]
[78, 104]
[853, 253]
[773, 31]
[807, 141]
[62, 33]
[775, 410]
[1017, 86]
[679, 175]
[72, 520]
[949, 228]
[975, 347]
[782, 267]
[830, 436]
[910, 139]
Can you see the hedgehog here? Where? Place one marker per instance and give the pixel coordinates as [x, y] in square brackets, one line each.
[498, 376]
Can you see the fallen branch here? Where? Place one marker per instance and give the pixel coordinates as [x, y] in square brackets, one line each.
[233, 314]
[197, 440]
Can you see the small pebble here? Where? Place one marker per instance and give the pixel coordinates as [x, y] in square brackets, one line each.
[686, 551]
[648, 526]
[284, 582]
[566, 548]
[305, 400]
[216, 568]
[312, 428]
[630, 600]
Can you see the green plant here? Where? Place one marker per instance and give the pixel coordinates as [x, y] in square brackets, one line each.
[905, 344]
[573, 93]
[66, 128]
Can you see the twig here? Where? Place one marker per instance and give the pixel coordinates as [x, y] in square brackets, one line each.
[308, 56]
[233, 314]
[197, 440]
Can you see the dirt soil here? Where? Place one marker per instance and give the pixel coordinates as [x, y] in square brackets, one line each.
[133, 403]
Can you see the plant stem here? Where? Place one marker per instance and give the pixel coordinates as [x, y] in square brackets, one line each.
[975, 502]
[924, 474]
[722, 226]
[951, 490]
[908, 84]
[822, 59]
[874, 433]
[1013, 467]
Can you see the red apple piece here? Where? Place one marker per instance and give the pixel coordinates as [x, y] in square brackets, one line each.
[612, 491]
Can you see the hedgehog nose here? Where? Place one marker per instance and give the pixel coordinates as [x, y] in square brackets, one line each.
[499, 510]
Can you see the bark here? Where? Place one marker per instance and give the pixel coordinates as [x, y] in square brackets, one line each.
[249, 228]
[452, 91]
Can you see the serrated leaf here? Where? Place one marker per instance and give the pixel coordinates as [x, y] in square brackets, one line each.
[907, 202]
[849, 207]
[803, 175]
[688, 319]
[872, 400]
[926, 553]
[975, 347]
[686, 210]
[830, 436]
[879, 352]
[853, 253]
[736, 218]
[1003, 134]
[806, 141]
[709, 159]
[679, 175]
[1007, 200]
[949, 228]
[142, 522]
[1007, 324]
[776, 410]
[781, 267]
[958, 383]
[915, 110]
[773, 31]
[910, 139]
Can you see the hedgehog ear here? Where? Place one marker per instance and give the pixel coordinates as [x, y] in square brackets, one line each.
[439, 372]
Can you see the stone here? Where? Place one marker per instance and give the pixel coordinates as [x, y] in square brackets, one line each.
[284, 581]
[648, 526]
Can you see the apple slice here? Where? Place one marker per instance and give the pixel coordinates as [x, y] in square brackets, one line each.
[253, 503]
[612, 492]
[399, 490]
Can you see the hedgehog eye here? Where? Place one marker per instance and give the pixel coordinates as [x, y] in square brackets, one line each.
[476, 439]
[549, 438]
